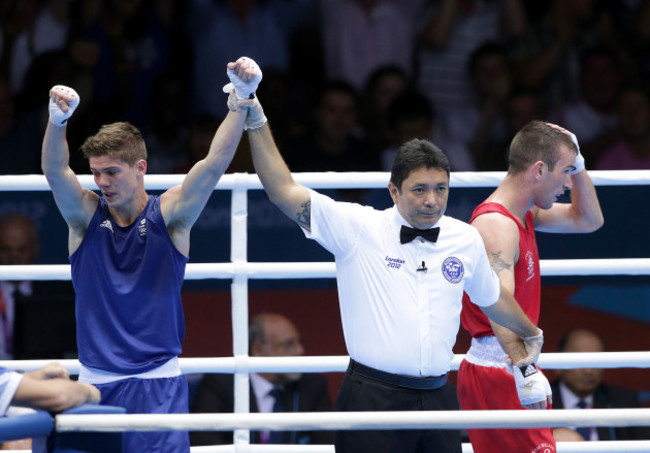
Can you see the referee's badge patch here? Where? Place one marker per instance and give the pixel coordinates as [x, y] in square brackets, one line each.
[453, 270]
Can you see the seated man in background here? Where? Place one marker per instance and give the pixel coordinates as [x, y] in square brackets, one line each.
[270, 335]
[36, 317]
[583, 388]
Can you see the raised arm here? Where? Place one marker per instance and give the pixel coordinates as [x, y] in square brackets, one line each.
[292, 198]
[76, 204]
[583, 214]
[182, 205]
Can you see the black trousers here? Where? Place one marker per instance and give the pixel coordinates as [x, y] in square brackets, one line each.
[359, 393]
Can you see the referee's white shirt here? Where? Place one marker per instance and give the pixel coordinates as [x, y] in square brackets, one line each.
[395, 318]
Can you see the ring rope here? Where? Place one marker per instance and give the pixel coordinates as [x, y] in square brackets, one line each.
[325, 180]
[378, 420]
[298, 270]
[627, 446]
[329, 364]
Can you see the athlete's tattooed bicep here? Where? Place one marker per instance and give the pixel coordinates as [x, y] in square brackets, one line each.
[498, 263]
[303, 217]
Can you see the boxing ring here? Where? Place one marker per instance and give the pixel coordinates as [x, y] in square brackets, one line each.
[239, 270]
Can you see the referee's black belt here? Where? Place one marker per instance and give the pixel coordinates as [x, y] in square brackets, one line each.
[398, 380]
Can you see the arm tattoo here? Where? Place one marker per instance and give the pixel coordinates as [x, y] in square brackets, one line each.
[498, 263]
[304, 217]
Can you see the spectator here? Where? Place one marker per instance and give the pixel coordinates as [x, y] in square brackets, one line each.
[630, 142]
[593, 113]
[409, 116]
[19, 149]
[135, 47]
[451, 32]
[583, 388]
[523, 106]
[19, 245]
[359, 36]
[220, 30]
[380, 89]
[270, 335]
[334, 142]
[479, 132]
[547, 57]
[48, 32]
[167, 133]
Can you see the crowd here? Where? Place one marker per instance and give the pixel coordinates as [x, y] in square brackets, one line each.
[333, 69]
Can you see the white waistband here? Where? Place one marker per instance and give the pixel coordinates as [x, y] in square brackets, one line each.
[170, 368]
[487, 351]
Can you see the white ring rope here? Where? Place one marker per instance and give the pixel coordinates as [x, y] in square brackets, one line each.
[326, 180]
[626, 446]
[311, 421]
[298, 270]
[333, 364]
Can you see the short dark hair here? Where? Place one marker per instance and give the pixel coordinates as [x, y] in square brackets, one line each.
[534, 142]
[119, 140]
[414, 154]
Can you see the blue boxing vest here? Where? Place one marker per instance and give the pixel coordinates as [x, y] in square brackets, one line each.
[128, 292]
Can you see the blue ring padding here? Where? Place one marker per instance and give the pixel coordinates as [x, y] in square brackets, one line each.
[29, 425]
[94, 409]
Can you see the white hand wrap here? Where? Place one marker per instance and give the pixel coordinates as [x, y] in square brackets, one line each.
[532, 385]
[245, 89]
[255, 118]
[59, 115]
[580, 161]
[533, 346]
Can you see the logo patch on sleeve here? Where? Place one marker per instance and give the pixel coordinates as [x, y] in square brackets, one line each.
[453, 270]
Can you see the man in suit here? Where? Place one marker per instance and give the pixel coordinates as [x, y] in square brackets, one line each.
[583, 388]
[270, 335]
[19, 245]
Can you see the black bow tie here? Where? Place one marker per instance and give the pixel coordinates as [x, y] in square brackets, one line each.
[407, 234]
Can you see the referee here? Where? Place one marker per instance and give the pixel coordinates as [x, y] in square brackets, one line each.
[401, 273]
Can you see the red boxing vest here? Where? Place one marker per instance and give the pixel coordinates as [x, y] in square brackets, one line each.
[527, 278]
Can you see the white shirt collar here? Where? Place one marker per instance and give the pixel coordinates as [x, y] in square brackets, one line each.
[571, 400]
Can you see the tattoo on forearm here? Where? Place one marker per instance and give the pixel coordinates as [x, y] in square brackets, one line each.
[498, 263]
[304, 217]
